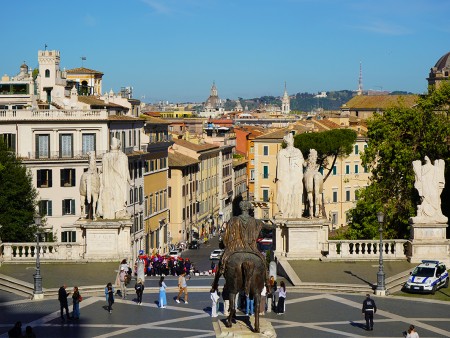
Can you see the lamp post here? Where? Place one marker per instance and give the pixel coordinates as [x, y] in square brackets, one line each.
[37, 291]
[381, 288]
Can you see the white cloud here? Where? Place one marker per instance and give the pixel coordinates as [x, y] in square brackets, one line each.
[158, 6]
[384, 28]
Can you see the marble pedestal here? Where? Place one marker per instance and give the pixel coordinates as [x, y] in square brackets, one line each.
[428, 241]
[106, 240]
[301, 238]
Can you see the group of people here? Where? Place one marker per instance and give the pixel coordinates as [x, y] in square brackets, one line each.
[246, 304]
[63, 296]
[157, 265]
[16, 331]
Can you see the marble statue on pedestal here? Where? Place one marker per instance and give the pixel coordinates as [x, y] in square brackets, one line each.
[90, 188]
[289, 179]
[115, 182]
[429, 182]
[313, 180]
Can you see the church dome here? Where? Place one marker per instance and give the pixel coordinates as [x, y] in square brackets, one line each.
[443, 62]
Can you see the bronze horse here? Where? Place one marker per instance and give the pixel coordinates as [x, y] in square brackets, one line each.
[245, 271]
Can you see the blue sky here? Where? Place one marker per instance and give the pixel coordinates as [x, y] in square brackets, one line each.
[174, 49]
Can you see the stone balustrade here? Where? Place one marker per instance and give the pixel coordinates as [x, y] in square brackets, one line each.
[52, 114]
[366, 249]
[48, 251]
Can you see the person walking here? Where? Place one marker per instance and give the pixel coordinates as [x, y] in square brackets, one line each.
[281, 298]
[368, 309]
[271, 297]
[182, 285]
[29, 332]
[162, 293]
[76, 299]
[412, 333]
[109, 292]
[16, 331]
[62, 297]
[262, 304]
[122, 280]
[139, 287]
[226, 300]
[249, 305]
[214, 302]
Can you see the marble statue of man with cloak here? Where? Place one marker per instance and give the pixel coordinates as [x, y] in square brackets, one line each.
[115, 182]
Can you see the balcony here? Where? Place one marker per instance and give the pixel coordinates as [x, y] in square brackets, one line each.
[52, 114]
[58, 155]
[159, 138]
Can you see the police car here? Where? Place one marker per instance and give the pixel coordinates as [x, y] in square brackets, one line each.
[427, 277]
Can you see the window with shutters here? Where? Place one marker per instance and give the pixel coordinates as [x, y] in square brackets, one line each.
[44, 178]
[66, 145]
[68, 236]
[265, 195]
[266, 150]
[43, 146]
[68, 207]
[9, 140]
[67, 177]
[265, 171]
[45, 207]
[87, 143]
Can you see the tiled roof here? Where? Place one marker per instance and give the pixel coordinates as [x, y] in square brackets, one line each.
[195, 146]
[82, 70]
[374, 102]
[124, 118]
[96, 102]
[155, 120]
[180, 160]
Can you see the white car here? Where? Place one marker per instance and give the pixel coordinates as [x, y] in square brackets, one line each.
[215, 254]
[427, 277]
[174, 253]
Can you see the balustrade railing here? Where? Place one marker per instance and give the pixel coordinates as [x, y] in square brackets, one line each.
[366, 249]
[55, 155]
[26, 252]
[55, 114]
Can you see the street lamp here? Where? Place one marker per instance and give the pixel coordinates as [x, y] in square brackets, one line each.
[381, 288]
[37, 291]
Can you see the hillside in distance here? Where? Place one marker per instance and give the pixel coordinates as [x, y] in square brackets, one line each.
[304, 102]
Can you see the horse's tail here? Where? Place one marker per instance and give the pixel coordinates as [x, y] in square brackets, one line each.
[247, 271]
[89, 188]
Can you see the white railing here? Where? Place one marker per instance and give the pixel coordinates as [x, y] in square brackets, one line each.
[366, 249]
[52, 114]
[48, 251]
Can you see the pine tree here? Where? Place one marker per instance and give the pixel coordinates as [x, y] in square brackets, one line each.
[17, 198]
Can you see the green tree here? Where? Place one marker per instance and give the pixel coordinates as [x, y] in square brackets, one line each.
[17, 198]
[396, 138]
[329, 145]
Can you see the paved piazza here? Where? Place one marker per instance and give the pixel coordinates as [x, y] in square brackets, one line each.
[307, 315]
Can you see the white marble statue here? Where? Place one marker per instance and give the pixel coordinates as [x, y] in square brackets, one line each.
[115, 182]
[290, 180]
[429, 182]
[313, 181]
[90, 187]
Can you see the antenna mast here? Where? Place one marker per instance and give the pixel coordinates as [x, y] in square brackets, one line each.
[360, 85]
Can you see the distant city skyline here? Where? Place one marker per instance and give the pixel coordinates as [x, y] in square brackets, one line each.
[170, 50]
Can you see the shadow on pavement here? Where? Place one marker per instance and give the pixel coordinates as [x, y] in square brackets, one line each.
[358, 325]
[361, 279]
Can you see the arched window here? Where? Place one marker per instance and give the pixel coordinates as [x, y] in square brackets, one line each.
[47, 73]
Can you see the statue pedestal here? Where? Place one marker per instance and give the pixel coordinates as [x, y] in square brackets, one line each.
[428, 241]
[242, 327]
[106, 240]
[301, 238]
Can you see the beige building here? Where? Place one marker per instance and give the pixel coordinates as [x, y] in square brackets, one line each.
[207, 216]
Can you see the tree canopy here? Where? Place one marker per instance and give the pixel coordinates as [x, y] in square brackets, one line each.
[329, 145]
[17, 198]
[396, 138]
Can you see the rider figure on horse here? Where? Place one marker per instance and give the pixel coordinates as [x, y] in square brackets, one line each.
[241, 235]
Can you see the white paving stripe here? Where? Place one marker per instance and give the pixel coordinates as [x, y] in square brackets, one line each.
[154, 325]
